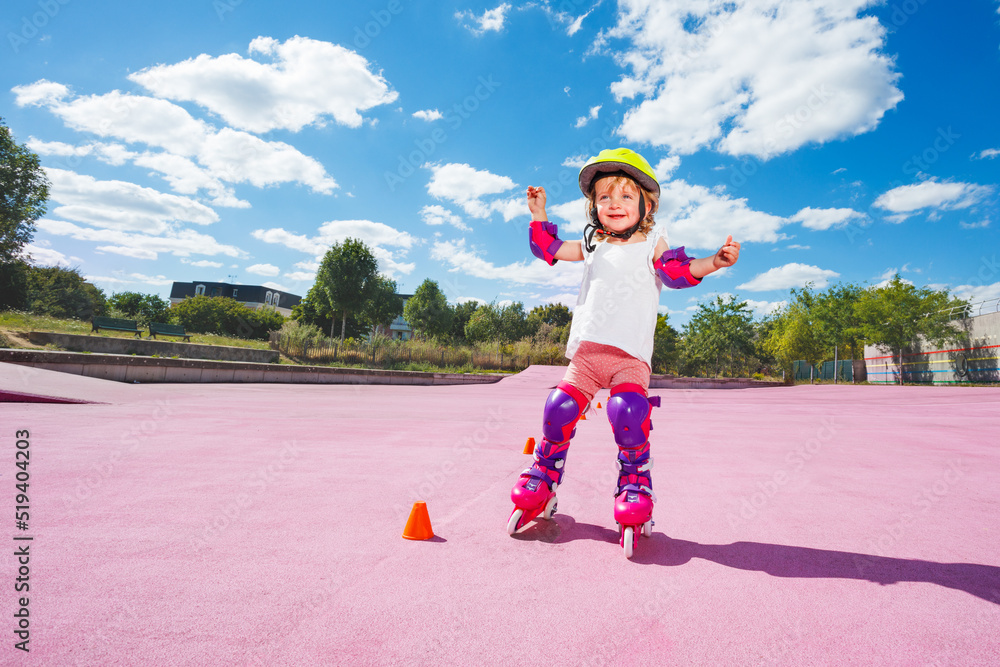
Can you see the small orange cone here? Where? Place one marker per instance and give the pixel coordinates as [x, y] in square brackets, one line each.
[418, 526]
[598, 405]
[529, 447]
[583, 416]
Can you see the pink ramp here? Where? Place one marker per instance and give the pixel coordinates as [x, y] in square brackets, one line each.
[262, 525]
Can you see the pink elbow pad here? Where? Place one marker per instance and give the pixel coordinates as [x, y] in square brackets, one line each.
[674, 269]
[544, 241]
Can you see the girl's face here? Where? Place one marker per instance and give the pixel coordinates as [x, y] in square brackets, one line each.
[617, 203]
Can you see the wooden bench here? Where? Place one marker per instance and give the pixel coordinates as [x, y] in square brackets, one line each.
[159, 328]
[115, 324]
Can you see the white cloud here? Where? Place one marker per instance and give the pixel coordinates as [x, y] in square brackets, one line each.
[667, 166]
[239, 157]
[789, 276]
[697, 217]
[376, 236]
[305, 81]
[490, 20]
[751, 77]
[592, 115]
[291, 240]
[948, 196]
[576, 24]
[982, 224]
[222, 155]
[428, 115]
[575, 161]
[465, 186]
[132, 279]
[764, 308]
[186, 177]
[181, 243]
[469, 262]
[120, 205]
[264, 270]
[510, 208]
[41, 255]
[203, 263]
[373, 233]
[825, 218]
[573, 212]
[988, 154]
[41, 93]
[438, 215]
[975, 294]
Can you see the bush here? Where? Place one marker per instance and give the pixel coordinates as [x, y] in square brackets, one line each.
[143, 308]
[63, 293]
[226, 317]
[297, 336]
[14, 285]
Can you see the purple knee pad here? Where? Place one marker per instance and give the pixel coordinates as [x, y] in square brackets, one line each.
[562, 410]
[629, 413]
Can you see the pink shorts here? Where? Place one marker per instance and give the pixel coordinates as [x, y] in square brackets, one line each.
[595, 366]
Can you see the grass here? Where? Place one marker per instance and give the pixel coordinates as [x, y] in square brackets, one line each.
[25, 322]
[19, 322]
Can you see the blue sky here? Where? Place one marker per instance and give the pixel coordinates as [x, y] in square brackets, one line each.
[235, 140]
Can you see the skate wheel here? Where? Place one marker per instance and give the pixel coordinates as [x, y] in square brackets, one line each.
[647, 529]
[514, 521]
[628, 541]
[550, 508]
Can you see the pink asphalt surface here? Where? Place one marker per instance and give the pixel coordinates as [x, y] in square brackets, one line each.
[261, 525]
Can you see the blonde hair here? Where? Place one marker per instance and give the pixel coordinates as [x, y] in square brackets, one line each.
[621, 180]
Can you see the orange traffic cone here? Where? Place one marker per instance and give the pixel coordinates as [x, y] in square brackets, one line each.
[583, 416]
[529, 447]
[598, 405]
[418, 526]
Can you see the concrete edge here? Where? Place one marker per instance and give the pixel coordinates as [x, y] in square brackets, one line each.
[129, 368]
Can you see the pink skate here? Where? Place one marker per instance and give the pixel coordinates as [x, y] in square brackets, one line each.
[535, 491]
[629, 413]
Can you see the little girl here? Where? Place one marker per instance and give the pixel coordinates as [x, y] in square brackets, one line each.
[626, 262]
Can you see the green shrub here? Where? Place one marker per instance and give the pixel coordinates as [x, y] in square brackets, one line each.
[225, 317]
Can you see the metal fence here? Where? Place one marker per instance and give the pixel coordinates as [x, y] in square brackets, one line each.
[388, 354]
[841, 371]
[973, 309]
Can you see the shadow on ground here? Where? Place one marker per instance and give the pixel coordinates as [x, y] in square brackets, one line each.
[781, 560]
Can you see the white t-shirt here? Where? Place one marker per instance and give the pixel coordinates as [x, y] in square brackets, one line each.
[619, 297]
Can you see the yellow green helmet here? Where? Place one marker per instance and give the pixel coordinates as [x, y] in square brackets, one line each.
[614, 160]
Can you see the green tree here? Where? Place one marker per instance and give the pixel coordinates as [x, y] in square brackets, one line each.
[555, 314]
[144, 308]
[14, 284]
[665, 350]
[344, 279]
[461, 314]
[721, 328]
[893, 316]
[313, 309]
[794, 334]
[63, 293]
[428, 312]
[24, 191]
[382, 304]
[494, 323]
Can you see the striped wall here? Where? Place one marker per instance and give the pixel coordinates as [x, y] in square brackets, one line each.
[976, 362]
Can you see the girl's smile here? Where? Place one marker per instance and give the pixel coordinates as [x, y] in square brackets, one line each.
[617, 205]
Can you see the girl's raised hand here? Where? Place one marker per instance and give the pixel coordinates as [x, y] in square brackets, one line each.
[536, 203]
[728, 253]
